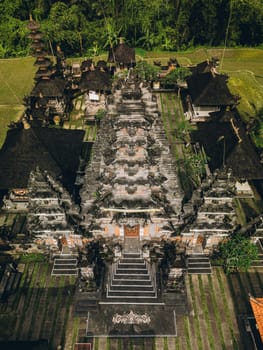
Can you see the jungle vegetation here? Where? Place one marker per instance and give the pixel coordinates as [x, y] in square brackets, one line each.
[86, 27]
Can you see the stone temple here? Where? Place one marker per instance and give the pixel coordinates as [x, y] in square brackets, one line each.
[130, 188]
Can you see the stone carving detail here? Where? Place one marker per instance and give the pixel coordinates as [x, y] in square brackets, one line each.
[131, 318]
[131, 164]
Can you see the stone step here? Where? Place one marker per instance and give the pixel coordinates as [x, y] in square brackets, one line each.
[131, 301]
[140, 266]
[129, 294]
[199, 271]
[82, 308]
[130, 277]
[131, 271]
[132, 260]
[198, 264]
[132, 288]
[65, 261]
[132, 256]
[198, 259]
[128, 282]
[66, 256]
[64, 267]
[195, 256]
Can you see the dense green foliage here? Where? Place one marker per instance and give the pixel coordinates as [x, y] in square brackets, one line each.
[88, 26]
[238, 253]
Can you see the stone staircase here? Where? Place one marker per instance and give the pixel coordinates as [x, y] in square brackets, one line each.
[131, 281]
[84, 303]
[65, 265]
[198, 264]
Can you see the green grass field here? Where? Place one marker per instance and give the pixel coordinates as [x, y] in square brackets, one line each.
[16, 79]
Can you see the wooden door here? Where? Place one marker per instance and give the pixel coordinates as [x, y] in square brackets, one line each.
[132, 231]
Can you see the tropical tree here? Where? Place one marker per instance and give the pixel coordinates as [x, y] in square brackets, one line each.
[112, 33]
[237, 252]
[146, 71]
[177, 75]
[64, 26]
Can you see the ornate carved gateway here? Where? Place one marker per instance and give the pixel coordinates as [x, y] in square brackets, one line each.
[130, 187]
[131, 231]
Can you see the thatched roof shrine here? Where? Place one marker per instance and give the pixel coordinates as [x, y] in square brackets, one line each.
[49, 88]
[86, 64]
[95, 80]
[241, 157]
[54, 150]
[209, 89]
[205, 67]
[122, 54]
[102, 65]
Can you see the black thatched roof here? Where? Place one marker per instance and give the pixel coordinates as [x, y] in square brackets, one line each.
[86, 64]
[43, 61]
[102, 64]
[241, 157]
[54, 150]
[209, 90]
[95, 80]
[122, 54]
[205, 67]
[49, 88]
[33, 25]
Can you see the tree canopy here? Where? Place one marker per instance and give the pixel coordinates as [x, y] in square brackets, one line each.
[79, 25]
[238, 252]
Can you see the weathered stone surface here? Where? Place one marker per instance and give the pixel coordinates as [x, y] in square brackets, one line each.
[132, 170]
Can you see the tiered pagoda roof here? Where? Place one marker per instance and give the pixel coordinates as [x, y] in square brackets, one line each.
[37, 49]
[47, 203]
[216, 214]
[133, 171]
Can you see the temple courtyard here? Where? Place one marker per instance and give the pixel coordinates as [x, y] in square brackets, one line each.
[44, 308]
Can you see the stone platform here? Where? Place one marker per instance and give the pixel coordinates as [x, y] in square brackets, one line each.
[131, 321]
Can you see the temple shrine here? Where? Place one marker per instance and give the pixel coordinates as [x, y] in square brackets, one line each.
[130, 188]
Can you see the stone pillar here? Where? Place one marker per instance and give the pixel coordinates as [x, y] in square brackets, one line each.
[141, 232]
[122, 231]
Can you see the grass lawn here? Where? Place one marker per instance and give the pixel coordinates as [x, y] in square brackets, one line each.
[8, 114]
[16, 79]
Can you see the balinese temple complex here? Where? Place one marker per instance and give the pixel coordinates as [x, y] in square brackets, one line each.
[130, 187]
